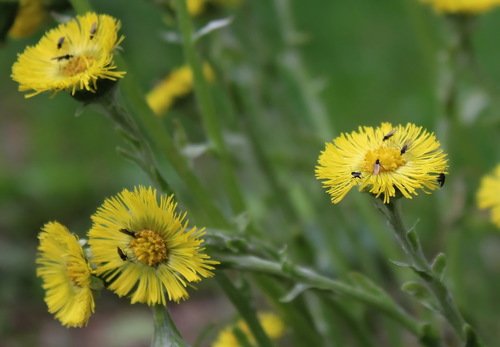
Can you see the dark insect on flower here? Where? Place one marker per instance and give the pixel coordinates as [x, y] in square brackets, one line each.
[122, 254]
[389, 135]
[376, 167]
[63, 57]
[60, 42]
[404, 149]
[93, 30]
[356, 174]
[441, 179]
[127, 232]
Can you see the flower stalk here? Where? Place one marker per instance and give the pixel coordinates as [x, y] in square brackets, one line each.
[165, 332]
[410, 243]
[377, 298]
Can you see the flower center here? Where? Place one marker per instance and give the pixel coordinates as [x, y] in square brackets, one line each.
[78, 274]
[149, 247]
[76, 65]
[383, 159]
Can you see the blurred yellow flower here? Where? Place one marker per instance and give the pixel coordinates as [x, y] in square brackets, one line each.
[30, 15]
[462, 6]
[488, 195]
[74, 56]
[65, 274]
[383, 160]
[144, 248]
[176, 85]
[271, 323]
[196, 7]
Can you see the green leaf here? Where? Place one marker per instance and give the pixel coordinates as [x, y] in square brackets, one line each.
[214, 25]
[412, 237]
[421, 293]
[298, 289]
[400, 263]
[363, 282]
[439, 264]
[471, 339]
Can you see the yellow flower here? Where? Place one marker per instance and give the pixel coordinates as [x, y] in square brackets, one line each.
[65, 274]
[488, 195]
[196, 7]
[74, 56]
[383, 160]
[462, 6]
[271, 323]
[143, 248]
[30, 15]
[176, 85]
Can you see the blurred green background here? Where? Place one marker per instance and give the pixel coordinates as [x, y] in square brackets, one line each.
[372, 61]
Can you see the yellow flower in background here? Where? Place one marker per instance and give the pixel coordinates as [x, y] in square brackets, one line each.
[66, 275]
[73, 56]
[196, 7]
[488, 195]
[177, 84]
[30, 16]
[462, 6]
[271, 323]
[383, 160]
[145, 249]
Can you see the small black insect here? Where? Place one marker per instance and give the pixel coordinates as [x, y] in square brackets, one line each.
[93, 30]
[404, 149]
[122, 254]
[389, 135]
[441, 179]
[60, 42]
[376, 167]
[63, 57]
[127, 232]
[356, 174]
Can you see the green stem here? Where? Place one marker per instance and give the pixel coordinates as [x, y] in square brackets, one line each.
[140, 152]
[165, 332]
[314, 280]
[207, 107]
[246, 311]
[411, 246]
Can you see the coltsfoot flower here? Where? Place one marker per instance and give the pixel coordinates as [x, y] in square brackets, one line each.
[462, 6]
[74, 57]
[271, 323]
[176, 85]
[488, 195]
[383, 161]
[144, 249]
[66, 275]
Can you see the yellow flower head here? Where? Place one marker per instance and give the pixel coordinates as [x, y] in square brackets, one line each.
[488, 195]
[30, 15]
[177, 84]
[66, 275]
[271, 323]
[462, 6]
[143, 248]
[74, 56]
[383, 160]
